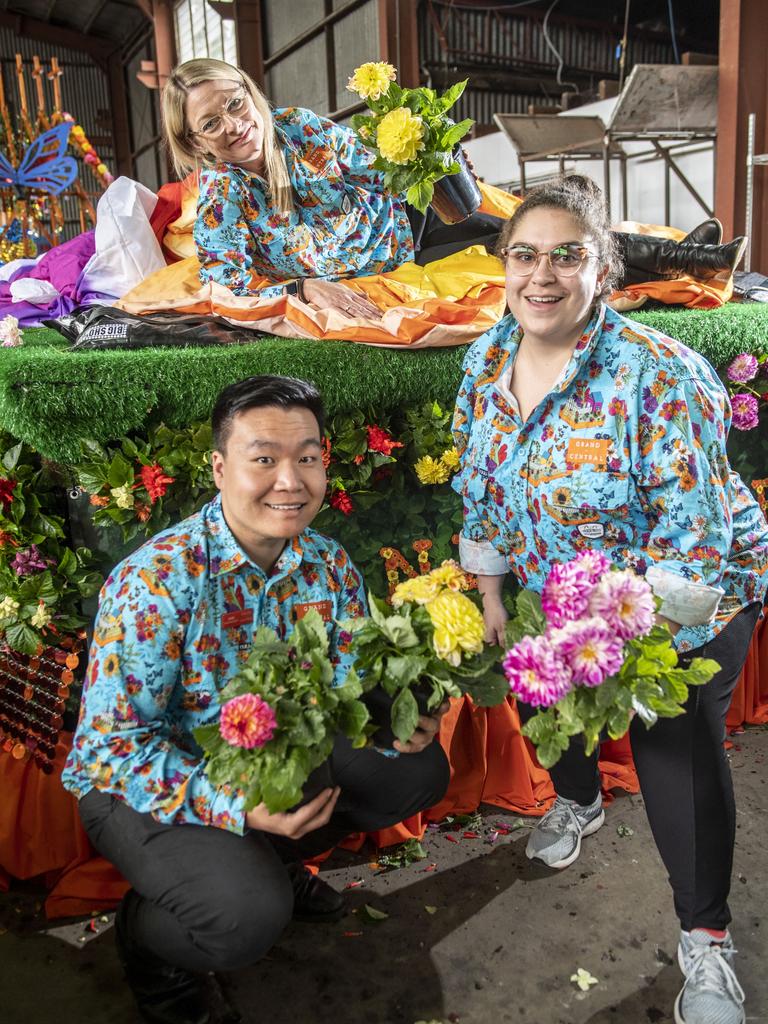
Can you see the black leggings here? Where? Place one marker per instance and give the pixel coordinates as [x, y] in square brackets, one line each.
[205, 899]
[434, 240]
[685, 781]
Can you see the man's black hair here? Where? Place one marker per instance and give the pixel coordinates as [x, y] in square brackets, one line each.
[256, 392]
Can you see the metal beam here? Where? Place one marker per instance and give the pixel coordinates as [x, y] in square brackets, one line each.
[93, 16]
[314, 30]
[32, 28]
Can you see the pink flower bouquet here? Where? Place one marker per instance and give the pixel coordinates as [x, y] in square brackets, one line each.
[589, 655]
[279, 717]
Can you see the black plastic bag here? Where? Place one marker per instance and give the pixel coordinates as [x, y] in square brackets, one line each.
[100, 327]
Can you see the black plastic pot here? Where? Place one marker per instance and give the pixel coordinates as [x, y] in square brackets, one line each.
[456, 195]
[379, 705]
[319, 779]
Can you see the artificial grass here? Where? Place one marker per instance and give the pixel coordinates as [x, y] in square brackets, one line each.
[51, 397]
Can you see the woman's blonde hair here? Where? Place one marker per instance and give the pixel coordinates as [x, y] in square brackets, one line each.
[186, 157]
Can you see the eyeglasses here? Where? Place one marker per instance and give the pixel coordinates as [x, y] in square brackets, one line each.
[563, 260]
[235, 107]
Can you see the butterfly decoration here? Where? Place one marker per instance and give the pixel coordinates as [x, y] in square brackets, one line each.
[43, 167]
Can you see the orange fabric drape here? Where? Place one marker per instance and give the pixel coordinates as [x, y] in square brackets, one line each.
[41, 835]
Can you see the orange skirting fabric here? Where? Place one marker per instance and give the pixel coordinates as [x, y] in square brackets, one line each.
[41, 835]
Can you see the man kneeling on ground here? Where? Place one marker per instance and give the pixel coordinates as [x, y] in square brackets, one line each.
[213, 885]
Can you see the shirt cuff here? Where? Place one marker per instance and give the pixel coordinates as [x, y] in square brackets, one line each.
[481, 558]
[683, 601]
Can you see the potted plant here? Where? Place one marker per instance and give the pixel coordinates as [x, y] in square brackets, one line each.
[589, 655]
[279, 717]
[425, 647]
[415, 142]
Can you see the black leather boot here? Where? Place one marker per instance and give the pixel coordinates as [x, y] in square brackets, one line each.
[164, 994]
[709, 232]
[313, 899]
[648, 258]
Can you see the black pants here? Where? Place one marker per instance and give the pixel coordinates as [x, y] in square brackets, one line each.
[433, 240]
[685, 781]
[205, 899]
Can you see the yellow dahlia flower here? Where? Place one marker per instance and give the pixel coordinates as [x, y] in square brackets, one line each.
[458, 626]
[400, 135]
[430, 471]
[371, 80]
[420, 590]
[450, 459]
[450, 575]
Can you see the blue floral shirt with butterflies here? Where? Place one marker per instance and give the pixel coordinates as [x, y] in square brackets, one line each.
[175, 623]
[345, 224]
[626, 454]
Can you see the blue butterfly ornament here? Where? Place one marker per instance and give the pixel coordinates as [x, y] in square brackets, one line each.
[43, 167]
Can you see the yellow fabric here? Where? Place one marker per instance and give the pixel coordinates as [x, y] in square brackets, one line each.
[449, 302]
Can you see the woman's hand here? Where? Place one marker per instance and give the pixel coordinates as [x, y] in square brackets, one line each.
[295, 824]
[425, 732]
[334, 295]
[495, 617]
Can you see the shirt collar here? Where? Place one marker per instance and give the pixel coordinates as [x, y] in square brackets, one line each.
[226, 555]
[506, 336]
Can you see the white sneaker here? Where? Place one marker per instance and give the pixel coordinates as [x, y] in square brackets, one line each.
[711, 993]
[556, 840]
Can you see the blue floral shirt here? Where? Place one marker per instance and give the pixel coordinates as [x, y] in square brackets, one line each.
[627, 454]
[175, 623]
[345, 224]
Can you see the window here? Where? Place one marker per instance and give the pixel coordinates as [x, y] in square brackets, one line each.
[201, 32]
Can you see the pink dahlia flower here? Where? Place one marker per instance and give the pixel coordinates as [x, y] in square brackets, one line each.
[594, 562]
[535, 674]
[590, 650]
[247, 721]
[625, 603]
[565, 594]
[743, 368]
[745, 411]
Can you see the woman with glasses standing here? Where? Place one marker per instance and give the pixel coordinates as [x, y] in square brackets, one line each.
[579, 429]
[293, 198]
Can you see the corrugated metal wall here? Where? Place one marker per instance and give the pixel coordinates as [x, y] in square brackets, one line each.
[85, 95]
[512, 42]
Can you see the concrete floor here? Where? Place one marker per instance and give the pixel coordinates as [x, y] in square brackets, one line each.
[483, 937]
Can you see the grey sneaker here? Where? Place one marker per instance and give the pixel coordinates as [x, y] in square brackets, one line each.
[556, 840]
[711, 993]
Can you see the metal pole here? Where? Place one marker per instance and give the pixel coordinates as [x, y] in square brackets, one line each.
[750, 190]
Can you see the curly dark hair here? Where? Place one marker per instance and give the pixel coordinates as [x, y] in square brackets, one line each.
[582, 199]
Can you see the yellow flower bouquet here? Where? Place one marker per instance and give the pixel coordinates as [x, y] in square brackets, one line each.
[409, 130]
[426, 647]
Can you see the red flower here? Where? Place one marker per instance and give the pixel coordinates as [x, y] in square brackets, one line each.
[342, 501]
[380, 441]
[155, 481]
[326, 456]
[6, 492]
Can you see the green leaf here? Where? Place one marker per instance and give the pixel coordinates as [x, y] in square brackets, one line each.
[372, 914]
[11, 457]
[455, 133]
[406, 668]
[451, 95]
[405, 715]
[529, 613]
[21, 637]
[120, 471]
[700, 671]
[420, 195]
[489, 690]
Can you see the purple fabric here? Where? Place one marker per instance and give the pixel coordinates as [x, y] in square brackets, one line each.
[63, 267]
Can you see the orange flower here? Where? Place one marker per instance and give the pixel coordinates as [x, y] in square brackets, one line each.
[99, 500]
[326, 456]
[143, 512]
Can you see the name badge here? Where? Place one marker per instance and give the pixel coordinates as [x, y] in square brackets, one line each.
[323, 608]
[240, 617]
[588, 449]
[591, 530]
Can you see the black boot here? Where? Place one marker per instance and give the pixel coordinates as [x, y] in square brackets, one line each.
[709, 232]
[648, 258]
[313, 899]
[164, 994]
